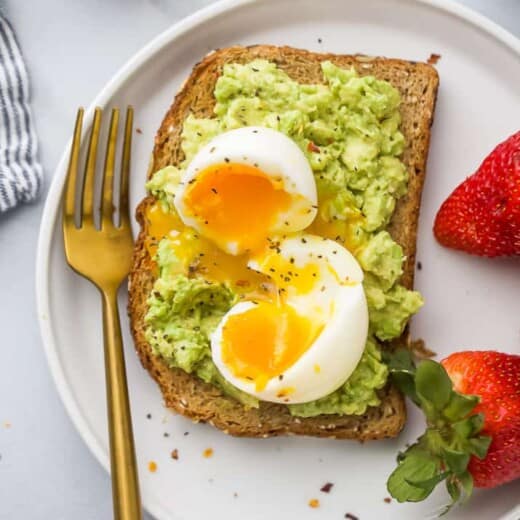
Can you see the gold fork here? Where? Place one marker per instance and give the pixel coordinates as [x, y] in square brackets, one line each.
[103, 255]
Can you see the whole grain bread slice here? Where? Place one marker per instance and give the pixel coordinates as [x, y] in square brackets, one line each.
[187, 394]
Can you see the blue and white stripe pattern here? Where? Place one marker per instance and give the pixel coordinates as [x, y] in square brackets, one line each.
[20, 169]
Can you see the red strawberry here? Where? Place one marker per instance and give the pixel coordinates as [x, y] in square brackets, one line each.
[495, 378]
[472, 406]
[482, 215]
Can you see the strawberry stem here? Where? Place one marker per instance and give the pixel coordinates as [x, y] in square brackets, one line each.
[452, 435]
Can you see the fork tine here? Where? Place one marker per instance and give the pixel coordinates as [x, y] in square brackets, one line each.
[107, 184]
[125, 169]
[87, 188]
[72, 170]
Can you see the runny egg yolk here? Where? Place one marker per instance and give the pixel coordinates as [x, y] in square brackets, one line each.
[287, 275]
[160, 224]
[342, 231]
[236, 203]
[285, 336]
[199, 256]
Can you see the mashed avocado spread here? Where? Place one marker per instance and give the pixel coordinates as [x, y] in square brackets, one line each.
[348, 128]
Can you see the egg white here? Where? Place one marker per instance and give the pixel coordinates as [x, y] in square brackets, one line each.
[338, 300]
[273, 153]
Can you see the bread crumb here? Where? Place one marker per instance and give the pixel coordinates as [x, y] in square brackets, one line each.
[326, 487]
[175, 454]
[433, 59]
[387, 500]
[207, 453]
[7, 424]
[420, 350]
[152, 466]
[314, 503]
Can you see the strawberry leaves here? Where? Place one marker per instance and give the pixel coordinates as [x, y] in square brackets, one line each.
[433, 385]
[460, 405]
[452, 436]
[414, 469]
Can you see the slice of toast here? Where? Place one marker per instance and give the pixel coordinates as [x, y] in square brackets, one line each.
[185, 393]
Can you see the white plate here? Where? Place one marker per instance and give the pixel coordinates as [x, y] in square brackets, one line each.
[470, 302]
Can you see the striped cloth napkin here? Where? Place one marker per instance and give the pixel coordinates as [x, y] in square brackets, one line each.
[20, 169]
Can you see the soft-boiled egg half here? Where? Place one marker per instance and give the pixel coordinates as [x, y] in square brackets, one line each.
[245, 185]
[307, 343]
[251, 193]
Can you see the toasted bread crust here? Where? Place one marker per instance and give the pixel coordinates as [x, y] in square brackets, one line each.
[187, 394]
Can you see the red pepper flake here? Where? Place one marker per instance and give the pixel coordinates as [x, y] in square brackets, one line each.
[328, 486]
[434, 59]
[311, 147]
[242, 283]
[387, 500]
[314, 503]
[175, 454]
[350, 516]
[138, 130]
[207, 453]
[152, 466]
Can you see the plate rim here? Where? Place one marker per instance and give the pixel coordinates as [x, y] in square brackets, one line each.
[50, 212]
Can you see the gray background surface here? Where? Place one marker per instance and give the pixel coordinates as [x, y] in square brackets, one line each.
[72, 48]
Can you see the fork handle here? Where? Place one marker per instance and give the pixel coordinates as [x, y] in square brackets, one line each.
[125, 484]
